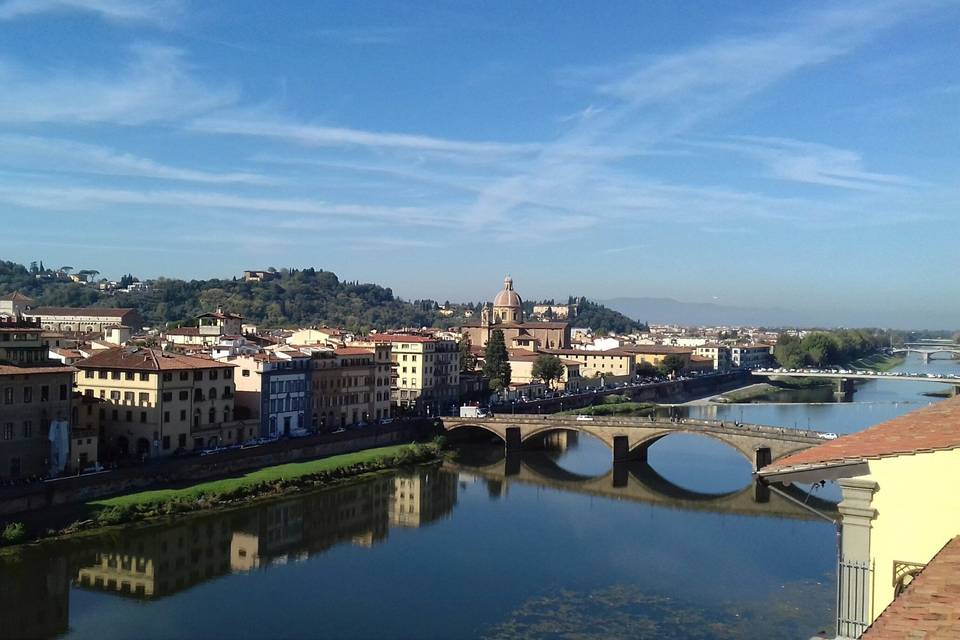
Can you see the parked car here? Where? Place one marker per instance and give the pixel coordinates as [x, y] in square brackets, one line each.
[828, 436]
[584, 418]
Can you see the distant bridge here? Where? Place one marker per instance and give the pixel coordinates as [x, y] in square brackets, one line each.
[928, 351]
[631, 438]
[637, 481]
[855, 375]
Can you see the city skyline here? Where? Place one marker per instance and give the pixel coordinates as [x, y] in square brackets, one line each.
[802, 159]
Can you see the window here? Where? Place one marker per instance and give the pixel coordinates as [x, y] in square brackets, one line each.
[183, 415]
[129, 416]
[166, 442]
[8, 431]
[213, 415]
[102, 375]
[8, 395]
[182, 440]
[184, 375]
[144, 377]
[227, 391]
[184, 395]
[114, 375]
[143, 416]
[198, 375]
[63, 392]
[144, 397]
[44, 393]
[128, 375]
[227, 374]
[198, 394]
[128, 396]
[213, 374]
[246, 373]
[27, 394]
[88, 374]
[27, 428]
[114, 395]
[168, 377]
[213, 393]
[167, 396]
[166, 416]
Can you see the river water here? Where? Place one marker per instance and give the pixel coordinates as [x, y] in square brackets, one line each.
[545, 546]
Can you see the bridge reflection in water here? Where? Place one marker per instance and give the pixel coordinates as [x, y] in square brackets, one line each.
[636, 481]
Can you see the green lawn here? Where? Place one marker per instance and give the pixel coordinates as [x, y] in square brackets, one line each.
[268, 474]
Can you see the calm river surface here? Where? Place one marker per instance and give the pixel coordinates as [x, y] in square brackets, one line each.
[679, 549]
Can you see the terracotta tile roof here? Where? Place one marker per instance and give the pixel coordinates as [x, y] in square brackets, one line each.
[147, 360]
[932, 428]
[91, 312]
[657, 349]
[610, 353]
[354, 351]
[13, 370]
[183, 331]
[930, 607]
[394, 337]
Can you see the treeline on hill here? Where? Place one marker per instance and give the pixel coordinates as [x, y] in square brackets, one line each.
[823, 348]
[601, 319]
[294, 297]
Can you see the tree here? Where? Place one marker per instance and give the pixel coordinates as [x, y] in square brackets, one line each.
[647, 370]
[467, 360]
[496, 364]
[33, 267]
[788, 352]
[548, 368]
[671, 365]
[820, 347]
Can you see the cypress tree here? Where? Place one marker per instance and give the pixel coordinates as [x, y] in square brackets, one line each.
[496, 364]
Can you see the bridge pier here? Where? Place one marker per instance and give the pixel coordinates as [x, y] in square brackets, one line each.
[512, 463]
[762, 458]
[513, 440]
[845, 389]
[621, 449]
[621, 474]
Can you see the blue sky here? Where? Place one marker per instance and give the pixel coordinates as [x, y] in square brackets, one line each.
[776, 154]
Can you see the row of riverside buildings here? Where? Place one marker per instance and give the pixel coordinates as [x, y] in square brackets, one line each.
[82, 386]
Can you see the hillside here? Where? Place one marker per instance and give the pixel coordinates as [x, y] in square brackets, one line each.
[294, 297]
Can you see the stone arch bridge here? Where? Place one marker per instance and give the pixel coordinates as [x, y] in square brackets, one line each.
[630, 438]
[638, 482]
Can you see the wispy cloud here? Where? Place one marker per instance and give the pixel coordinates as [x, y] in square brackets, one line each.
[189, 202]
[369, 35]
[651, 100]
[322, 136]
[810, 163]
[153, 11]
[156, 85]
[50, 154]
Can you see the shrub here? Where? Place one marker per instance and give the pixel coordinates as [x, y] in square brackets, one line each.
[14, 533]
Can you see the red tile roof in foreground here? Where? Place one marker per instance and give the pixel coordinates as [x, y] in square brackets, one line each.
[933, 428]
[13, 370]
[930, 606]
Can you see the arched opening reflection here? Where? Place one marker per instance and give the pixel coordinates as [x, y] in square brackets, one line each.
[578, 453]
[698, 463]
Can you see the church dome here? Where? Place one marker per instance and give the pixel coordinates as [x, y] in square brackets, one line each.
[508, 297]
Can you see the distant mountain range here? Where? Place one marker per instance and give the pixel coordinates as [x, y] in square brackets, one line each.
[670, 311]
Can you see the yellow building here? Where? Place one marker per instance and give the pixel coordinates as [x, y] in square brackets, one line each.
[613, 363]
[426, 372]
[899, 507]
[156, 402]
[521, 370]
[654, 354]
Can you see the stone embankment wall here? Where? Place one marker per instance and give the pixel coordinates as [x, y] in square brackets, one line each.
[664, 392]
[172, 472]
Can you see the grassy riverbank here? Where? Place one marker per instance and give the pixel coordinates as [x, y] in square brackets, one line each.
[269, 482]
[878, 362]
[614, 405]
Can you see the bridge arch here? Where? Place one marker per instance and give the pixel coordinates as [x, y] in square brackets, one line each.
[638, 451]
[468, 426]
[552, 428]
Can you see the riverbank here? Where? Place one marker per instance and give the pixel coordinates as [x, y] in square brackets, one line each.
[878, 362]
[614, 408]
[267, 483]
